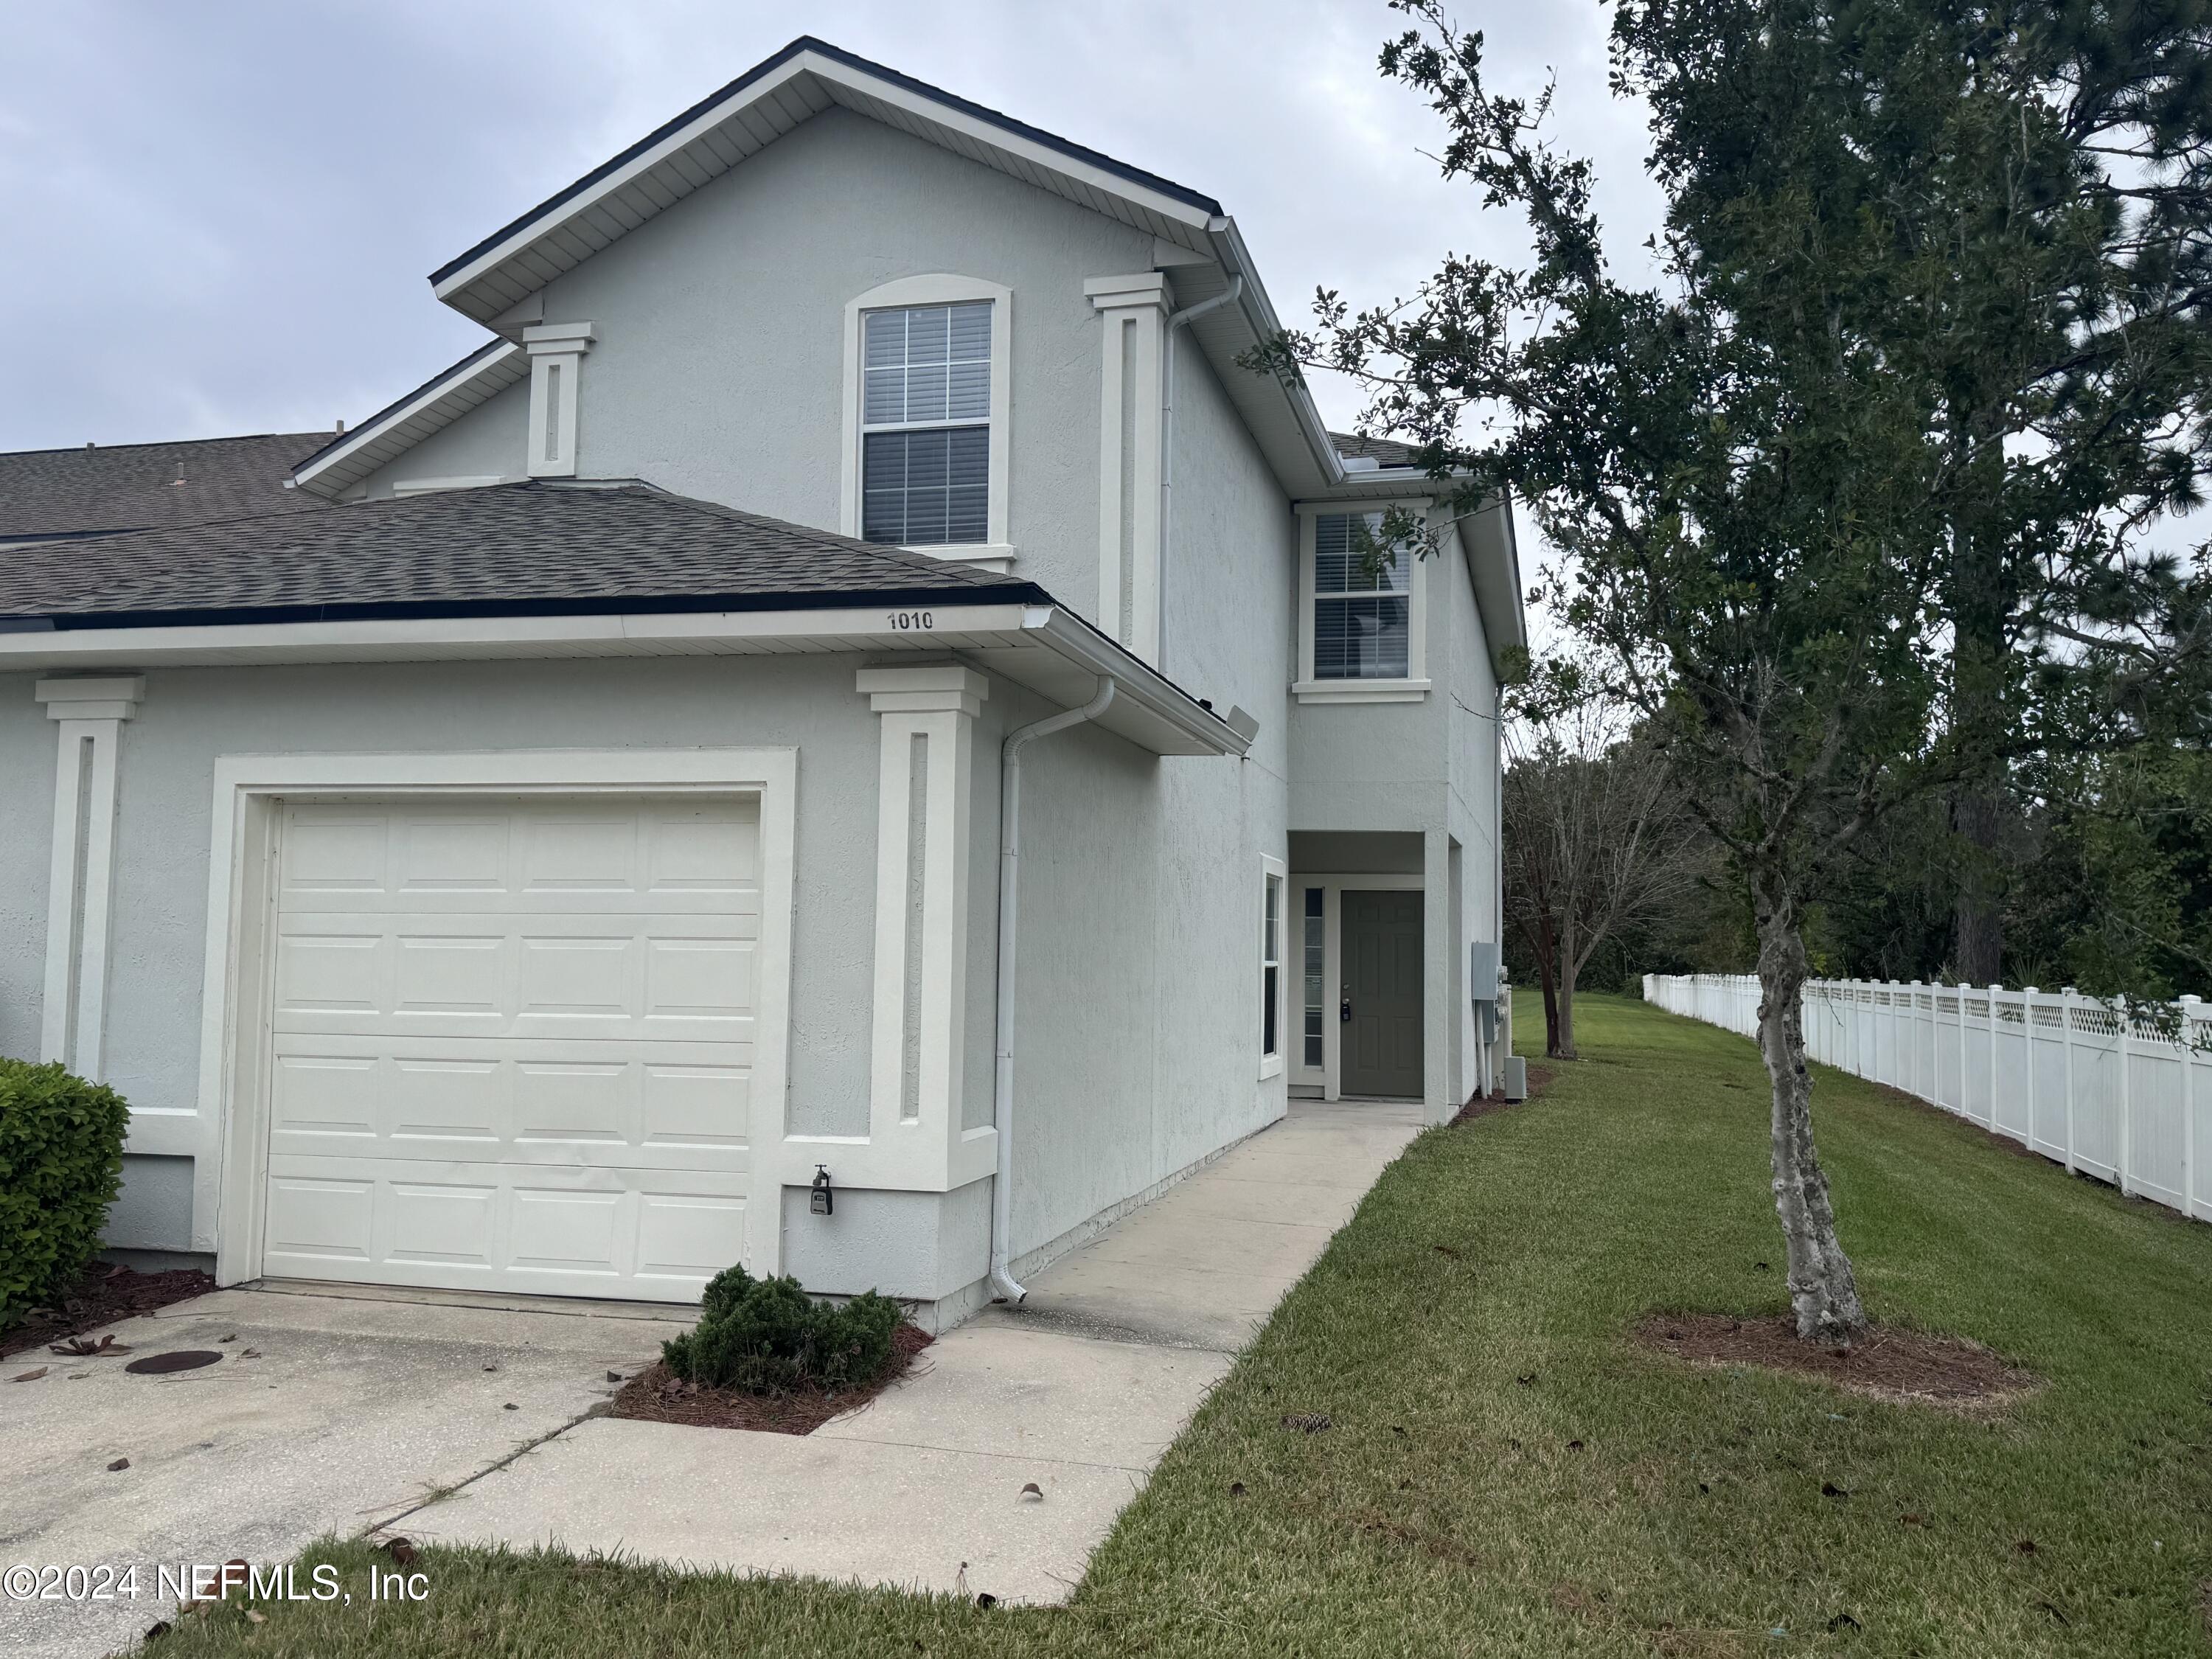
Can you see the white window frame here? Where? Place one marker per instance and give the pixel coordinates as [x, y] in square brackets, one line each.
[1415, 687]
[938, 289]
[1275, 884]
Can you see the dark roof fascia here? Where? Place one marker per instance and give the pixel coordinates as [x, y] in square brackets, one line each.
[807, 43]
[611, 605]
[497, 343]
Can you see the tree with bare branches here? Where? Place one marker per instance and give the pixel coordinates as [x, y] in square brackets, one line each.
[1599, 838]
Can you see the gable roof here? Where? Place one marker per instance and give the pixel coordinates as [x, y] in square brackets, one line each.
[745, 117]
[346, 459]
[125, 487]
[810, 75]
[766, 102]
[509, 549]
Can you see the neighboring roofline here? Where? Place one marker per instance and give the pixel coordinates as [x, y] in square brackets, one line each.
[804, 46]
[1155, 710]
[149, 443]
[436, 403]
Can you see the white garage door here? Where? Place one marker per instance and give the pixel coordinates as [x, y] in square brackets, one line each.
[514, 1044]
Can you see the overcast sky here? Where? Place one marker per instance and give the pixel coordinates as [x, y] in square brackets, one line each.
[220, 215]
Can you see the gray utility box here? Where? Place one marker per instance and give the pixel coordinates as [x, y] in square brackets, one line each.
[1516, 1078]
[1482, 988]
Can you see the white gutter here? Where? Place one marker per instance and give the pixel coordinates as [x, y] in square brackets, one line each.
[1167, 445]
[1259, 314]
[1003, 1285]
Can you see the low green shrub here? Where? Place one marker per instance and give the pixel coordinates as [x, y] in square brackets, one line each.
[61, 1165]
[768, 1336]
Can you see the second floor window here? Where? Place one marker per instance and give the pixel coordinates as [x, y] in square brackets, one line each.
[926, 425]
[1362, 606]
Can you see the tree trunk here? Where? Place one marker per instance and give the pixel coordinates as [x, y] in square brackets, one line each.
[1548, 970]
[1979, 604]
[1822, 1287]
[1977, 918]
[1563, 1044]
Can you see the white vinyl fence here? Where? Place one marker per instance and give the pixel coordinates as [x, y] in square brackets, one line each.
[2060, 1072]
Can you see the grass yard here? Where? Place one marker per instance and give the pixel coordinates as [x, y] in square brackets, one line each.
[1505, 1474]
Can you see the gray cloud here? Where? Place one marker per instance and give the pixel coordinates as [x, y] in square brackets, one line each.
[221, 215]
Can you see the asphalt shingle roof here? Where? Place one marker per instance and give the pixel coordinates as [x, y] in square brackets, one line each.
[1388, 451]
[505, 550]
[96, 491]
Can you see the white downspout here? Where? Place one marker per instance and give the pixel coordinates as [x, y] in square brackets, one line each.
[1003, 1286]
[1166, 447]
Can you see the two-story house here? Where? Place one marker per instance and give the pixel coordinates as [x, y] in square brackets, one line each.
[851, 685]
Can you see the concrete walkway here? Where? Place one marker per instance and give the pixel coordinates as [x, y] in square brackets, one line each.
[332, 1410]
[1079, 1392]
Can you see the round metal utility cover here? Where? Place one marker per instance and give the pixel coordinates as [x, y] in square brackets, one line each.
[178, 1359]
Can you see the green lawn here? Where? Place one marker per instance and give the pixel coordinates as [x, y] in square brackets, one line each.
[1448, 1510]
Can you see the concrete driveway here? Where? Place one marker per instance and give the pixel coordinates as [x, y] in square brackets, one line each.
[355, 1407]
[470, 1419]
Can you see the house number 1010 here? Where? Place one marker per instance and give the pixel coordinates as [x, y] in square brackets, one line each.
[908, 621]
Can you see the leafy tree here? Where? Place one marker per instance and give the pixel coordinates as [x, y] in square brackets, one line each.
[1849, 495]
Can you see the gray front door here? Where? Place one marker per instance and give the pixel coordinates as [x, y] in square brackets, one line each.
[1381, 1052]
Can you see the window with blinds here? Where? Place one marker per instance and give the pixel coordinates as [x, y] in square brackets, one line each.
[926, 425]
[1362, 605]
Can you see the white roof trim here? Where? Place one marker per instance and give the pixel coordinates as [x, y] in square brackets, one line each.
[393, 432]
[753, 115]
[1041, 646]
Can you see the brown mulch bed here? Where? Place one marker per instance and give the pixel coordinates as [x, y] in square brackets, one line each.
[1887, 1362]
[657, 1395]
[106, 1293]
[1539, 1077]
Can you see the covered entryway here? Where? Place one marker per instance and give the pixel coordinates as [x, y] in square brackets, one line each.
[511, 1042]
[1381, 1008]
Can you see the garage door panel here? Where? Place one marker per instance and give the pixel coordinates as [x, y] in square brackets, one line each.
[557, 1231]
[702, 853]
[693, 1107]
[681, 1237]
[450, 977]
[317, 1216]
[448, 1222]
[450, 853]
[700, 979]
[446, 1099]
[335, 850]
[580, 977]
[332, 973]
[325, 1095]
[512, 1043]
[616, 1105]
[659, 978]
[654, 1235]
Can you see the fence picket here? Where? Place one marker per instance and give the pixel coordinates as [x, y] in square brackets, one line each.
[1859, 1027]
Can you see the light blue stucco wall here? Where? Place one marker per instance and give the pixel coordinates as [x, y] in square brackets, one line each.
[717, 372]
[1427, 767]
[720, 359]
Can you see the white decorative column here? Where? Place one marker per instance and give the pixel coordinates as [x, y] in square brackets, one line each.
[917, 1077]
[557, 356]
[1134, 311]
[79, 894]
